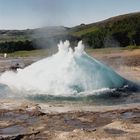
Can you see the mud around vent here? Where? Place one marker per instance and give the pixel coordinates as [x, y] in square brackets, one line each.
[28, 122]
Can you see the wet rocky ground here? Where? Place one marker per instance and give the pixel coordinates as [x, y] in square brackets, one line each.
[27, 121]
[11, 63]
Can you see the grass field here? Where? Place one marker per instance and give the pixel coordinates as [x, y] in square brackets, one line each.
[46, 52]
[84, 31]
[34, 53]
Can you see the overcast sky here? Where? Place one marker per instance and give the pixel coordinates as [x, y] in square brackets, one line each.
[23, 14]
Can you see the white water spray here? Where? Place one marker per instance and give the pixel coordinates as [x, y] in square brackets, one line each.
[65, 73]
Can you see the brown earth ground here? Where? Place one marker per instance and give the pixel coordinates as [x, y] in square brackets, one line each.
[26, 121]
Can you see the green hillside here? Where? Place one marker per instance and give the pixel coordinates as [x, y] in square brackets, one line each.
[119, 31]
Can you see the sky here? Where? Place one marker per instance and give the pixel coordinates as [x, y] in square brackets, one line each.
[25, 14]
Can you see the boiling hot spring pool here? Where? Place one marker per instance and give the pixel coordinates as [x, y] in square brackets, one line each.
[69, 75]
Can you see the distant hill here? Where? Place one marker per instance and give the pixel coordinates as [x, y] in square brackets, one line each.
[29, 34]
[119, 31]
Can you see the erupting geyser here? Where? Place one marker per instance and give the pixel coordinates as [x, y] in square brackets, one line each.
[68, 72]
